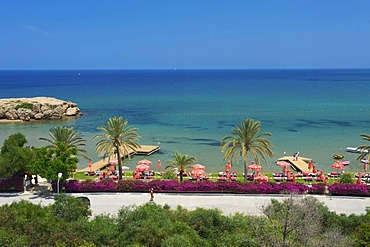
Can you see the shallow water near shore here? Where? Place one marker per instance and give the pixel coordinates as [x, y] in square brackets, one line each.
[316, 112]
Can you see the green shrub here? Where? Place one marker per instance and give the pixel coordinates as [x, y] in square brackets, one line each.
[24, 105]
[170, 175]
[346, 178]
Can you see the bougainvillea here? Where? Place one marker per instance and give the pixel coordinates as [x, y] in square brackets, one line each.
[12, 184]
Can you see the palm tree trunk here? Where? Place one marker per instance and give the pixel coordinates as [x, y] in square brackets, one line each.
[245, 167]
[181, 176]
[119, 164]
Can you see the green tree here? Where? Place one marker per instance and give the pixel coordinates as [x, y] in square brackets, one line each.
[70, 208]
[297, 221]
[14, 157]
[117, 138]
[246, 138]
[69, 137]
[48, 162]
[180, 162]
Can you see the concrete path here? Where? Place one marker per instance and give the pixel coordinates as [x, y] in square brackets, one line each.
[229, 204]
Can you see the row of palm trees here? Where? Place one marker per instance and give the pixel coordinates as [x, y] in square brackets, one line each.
[120, 139]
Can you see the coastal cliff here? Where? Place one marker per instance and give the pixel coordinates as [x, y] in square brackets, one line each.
[37, 108]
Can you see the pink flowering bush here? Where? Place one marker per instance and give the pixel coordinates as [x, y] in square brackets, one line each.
[12, 185]
[187, 186]
[213, 187]
[349, 190]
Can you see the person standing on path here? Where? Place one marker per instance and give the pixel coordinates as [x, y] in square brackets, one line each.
[151, 194]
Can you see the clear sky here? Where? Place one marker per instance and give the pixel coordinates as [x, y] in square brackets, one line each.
[184, 34]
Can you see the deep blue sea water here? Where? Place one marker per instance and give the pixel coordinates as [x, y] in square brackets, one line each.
[316, 112]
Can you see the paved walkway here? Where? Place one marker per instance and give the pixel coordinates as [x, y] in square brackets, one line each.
[229, 204]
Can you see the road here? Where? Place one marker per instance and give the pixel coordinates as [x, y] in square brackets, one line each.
[229, 204]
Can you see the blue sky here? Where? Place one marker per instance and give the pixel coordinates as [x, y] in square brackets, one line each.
[184, 34]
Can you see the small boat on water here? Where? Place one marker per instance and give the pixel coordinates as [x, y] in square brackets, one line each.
[345, 162]
[356, 150]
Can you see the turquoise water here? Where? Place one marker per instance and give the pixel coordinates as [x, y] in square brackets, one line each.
[316, 112]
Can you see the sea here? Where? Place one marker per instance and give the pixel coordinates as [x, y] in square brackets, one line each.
[317, 113]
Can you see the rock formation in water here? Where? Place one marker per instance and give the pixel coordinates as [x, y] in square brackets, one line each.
[38, 108]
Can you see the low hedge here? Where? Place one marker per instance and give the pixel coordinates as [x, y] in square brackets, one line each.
[12, 185]
[74, 186]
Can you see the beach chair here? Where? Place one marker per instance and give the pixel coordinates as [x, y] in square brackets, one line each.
[279, 179]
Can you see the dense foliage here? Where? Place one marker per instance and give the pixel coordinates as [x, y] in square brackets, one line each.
[66, 223]
[48, 162]
[14, 157]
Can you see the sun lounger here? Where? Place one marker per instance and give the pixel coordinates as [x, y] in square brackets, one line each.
[333, 174]
[279, 179]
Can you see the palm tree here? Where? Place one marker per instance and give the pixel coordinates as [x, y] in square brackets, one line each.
[180, 162]
[365, 149]
[69, 137]
[117, 138]
[246, 138]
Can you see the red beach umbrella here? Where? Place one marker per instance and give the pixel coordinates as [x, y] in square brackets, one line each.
[113, 162]
[228, 166]
[141, 168]
[145, 162]
[314, 169]
[359, 179]
[326, 180]
[310, 165]
[159, 165]
[261, 178]
[198, 167]
[196, 173]
[337, 165]
[284, 165]
[255, 167]
[89, 164]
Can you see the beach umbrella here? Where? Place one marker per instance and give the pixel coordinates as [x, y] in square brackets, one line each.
[309, 165]
[337, 165]
[228, 166]
[366, 162]
[159, 164]
[196, 173]
[359, 179]
[89, 164]
[314, 169]
[113, 162]
[255, 167]
[284, 165]
[321, 175]
[145, 162]
[261, 178]
[326, 180]
[198, 167]
[141, 168]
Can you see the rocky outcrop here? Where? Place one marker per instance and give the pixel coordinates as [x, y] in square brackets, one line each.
[37, 108]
